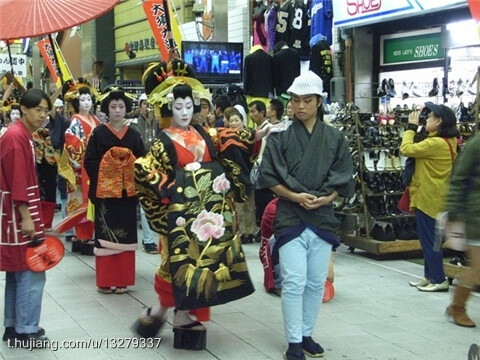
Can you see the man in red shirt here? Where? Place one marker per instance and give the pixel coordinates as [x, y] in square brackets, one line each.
[21, 221]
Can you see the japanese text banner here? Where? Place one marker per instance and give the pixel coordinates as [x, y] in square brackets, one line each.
[158, 18]
[49, 58]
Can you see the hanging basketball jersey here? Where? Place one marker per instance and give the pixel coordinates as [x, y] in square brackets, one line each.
[282, 26]
[299, 35]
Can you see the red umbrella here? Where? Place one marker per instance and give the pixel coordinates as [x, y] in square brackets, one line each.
[29, 18]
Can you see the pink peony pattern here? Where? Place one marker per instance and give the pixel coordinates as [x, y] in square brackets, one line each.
[221, 185]
[208, 225]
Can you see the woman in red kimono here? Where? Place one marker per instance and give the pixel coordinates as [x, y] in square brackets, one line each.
[81, 97]
[187, 185]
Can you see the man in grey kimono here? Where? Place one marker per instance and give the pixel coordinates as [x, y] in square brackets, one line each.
[307, 166]
[147, 125]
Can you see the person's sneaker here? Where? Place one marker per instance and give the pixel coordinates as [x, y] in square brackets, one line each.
[435, 287]
[421, 282]
[150, 248]
[311, 348]
[294, 352]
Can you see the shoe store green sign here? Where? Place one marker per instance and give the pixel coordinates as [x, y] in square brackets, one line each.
[412, 49]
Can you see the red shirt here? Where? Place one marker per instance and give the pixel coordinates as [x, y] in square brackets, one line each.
[18, 184]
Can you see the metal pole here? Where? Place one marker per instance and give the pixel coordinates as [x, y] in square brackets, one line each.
[348, 71]
[10, 58]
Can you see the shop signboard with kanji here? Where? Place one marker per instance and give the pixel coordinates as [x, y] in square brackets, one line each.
[19, 62]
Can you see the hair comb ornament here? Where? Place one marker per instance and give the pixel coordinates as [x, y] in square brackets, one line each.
[170, 100]
[196, 98]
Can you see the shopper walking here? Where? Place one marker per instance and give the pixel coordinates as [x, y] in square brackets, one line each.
[462, 205]
[434, 159]
[21, 222]
[308, 165]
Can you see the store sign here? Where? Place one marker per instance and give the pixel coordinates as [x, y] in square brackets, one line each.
[142, 44]
[411, 49]
[19, 63]
[350, 13]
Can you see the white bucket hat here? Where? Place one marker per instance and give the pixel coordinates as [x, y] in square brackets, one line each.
[306, 84]
[58, 103]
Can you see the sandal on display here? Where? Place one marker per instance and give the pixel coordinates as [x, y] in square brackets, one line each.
[148, 326]
[190, 337]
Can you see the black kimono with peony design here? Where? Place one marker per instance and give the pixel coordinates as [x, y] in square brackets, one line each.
[187, 185]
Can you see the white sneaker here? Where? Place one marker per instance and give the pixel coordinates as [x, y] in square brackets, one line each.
[435, 287]
[421, 282]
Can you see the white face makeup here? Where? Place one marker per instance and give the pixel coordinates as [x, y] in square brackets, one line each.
[116, 110]
[85, 102]
[14, 115]
[182, 110]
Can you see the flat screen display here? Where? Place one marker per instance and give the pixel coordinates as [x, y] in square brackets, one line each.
[214, 62]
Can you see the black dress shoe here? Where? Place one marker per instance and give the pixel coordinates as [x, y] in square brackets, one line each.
[10, 333]
[36, 340]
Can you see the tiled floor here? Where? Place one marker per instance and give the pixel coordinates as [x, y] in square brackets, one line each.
[375, 314]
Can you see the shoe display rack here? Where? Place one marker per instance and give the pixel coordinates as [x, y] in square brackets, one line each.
[379, 226]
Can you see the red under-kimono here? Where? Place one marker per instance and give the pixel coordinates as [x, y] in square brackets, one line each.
[18, 184]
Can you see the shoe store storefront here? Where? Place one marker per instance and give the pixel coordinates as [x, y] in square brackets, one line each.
[422, 51]
[403, 53]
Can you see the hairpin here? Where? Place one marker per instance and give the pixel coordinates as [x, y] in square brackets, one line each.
[170, 101]
[196, 98]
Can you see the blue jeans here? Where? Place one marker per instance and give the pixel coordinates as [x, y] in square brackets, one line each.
[147, 232]
[23, 300]
[304, 265]
[433, 269]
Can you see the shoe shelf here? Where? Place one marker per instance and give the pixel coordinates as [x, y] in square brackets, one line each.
[375, 151]
[380, 247]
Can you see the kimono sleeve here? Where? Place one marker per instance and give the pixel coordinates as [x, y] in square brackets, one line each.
[93, 156]
[236, 149]
[75, 143]
[274, 169]
[154, 179]
[14, 161]
[340, 175]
